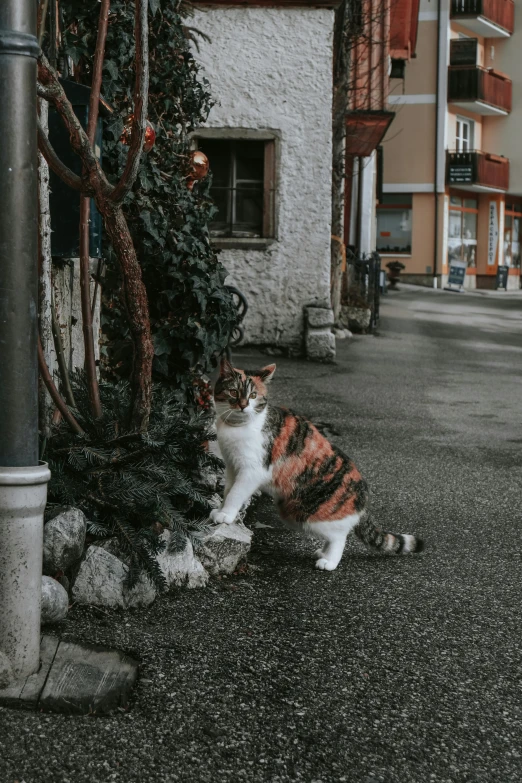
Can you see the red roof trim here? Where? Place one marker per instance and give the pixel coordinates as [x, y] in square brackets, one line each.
[365, 130]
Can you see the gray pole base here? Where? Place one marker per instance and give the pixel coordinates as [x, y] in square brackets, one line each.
[23, 493]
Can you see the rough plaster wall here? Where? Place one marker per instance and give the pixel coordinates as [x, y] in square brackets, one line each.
[272, 68]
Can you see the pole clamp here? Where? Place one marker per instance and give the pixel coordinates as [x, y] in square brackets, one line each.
[14, 42]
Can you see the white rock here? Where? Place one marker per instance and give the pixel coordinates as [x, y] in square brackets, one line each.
[64, 540]
[340, 334]
[6, 671]
[181, 568]
[101, 582]
[225, 547]
[55, 601]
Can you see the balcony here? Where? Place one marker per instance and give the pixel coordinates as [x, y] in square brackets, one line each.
[490, 18]
[477, 171]
[480, 90]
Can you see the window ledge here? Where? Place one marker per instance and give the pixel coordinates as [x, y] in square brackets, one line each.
[241, 243]
[394, 255]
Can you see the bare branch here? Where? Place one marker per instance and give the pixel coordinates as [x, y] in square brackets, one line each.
[85, 208]
[53, 391]
[54, 92]
[60, 169]
[141, 96]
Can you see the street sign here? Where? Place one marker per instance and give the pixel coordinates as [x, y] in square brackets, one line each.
[502, 277]
[492, 233]
[459, 174]
[457, 273]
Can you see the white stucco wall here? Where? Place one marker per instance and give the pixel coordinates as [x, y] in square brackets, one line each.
[272, 68]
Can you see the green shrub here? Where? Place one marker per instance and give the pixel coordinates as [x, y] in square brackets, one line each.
[192, 313]
[132, 485]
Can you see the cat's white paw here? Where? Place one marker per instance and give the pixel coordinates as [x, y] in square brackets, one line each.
[220, 517]
[325, 565]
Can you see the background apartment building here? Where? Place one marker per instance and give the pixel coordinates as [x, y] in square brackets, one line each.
[452, 173]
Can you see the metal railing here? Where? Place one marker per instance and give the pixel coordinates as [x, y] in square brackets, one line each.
[477, 168]
[474, 83]
[363, 279]
[500, 12]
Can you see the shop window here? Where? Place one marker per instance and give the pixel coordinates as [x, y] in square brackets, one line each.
[462, 230]
[512, 218]
[394, 223]
[243, 176]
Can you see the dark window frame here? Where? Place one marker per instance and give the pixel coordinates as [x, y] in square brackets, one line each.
[271, 142]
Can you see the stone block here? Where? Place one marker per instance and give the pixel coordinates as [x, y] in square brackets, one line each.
[320, 346]
[356, 318]
[319, 317]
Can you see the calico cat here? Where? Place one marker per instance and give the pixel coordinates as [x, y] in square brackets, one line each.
[315, 486]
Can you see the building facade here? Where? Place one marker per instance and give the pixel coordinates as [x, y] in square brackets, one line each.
[269, 142]
[384, 40]
[452, 167]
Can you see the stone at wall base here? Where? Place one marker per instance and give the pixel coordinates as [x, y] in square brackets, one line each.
[357, 319]
[320, 345]
[319, 317]
[319, 338]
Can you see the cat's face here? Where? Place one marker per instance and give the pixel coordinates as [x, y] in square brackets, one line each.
[240, 394]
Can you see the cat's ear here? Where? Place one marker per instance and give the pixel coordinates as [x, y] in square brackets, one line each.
[225, 368]
[267, 373]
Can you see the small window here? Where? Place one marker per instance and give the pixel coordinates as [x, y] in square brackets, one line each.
[465, 133]
[394, 223]
[243, 175]
[398, 68]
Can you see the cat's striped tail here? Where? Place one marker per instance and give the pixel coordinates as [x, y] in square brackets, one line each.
[392, 543]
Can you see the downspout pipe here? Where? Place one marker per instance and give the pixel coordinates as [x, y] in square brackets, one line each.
[436, 160]
[23, 482]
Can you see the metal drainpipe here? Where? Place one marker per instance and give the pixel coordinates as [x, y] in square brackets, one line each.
[23, 482]
[437, 109]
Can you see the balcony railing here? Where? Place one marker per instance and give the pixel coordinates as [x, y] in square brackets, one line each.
[463, 51]
[475, 170]
[470, 84]
[500, 13]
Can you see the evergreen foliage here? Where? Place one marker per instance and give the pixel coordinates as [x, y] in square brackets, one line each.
[192, 313]
[132, 485]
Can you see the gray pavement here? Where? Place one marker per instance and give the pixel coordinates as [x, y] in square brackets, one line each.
[390, 670]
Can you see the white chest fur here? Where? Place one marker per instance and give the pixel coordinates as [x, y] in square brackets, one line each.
[243, 447]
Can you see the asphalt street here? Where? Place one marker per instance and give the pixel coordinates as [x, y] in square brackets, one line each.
[388, 670]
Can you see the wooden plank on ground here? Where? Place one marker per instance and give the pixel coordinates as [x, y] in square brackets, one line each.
[86, 679]
[26, 692]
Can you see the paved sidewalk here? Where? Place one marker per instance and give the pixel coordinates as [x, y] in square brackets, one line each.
[389, 670]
